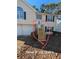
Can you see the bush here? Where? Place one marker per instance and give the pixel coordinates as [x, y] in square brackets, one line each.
[21, 37]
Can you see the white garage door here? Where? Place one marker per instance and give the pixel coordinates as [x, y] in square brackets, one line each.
[19, 29]
[24, 29]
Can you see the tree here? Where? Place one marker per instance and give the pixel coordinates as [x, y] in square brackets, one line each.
[58, 8]
[48, 8]
[42, 8]
[58, 12]
[35, 8]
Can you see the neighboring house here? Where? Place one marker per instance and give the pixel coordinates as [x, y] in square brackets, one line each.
[28, 19]
[50, 22]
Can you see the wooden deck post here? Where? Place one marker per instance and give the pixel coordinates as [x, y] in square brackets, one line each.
[41, 35]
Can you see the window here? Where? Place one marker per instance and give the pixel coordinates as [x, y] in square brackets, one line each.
[49, 18]
[20, 13]
[48, 29]
[38, 16]
[58, 17]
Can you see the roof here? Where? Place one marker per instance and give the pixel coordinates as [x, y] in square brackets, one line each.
[46, 14]
[29, 5]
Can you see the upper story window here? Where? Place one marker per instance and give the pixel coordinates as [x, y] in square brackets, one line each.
[49, 18]
[21, 14]
[38, 16]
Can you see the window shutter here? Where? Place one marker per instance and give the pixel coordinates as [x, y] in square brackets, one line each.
[53, 18]
[24, 15]
[46, 17]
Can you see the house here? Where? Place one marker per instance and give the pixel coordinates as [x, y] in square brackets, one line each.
[28, 20]
[50, 22]
[25, 16]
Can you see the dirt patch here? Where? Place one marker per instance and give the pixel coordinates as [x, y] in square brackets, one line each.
[29, 52]
[20, 43]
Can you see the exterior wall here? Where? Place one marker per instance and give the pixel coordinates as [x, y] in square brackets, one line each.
[57, 26]
[30, 14]
[25, 27]
[47, 23]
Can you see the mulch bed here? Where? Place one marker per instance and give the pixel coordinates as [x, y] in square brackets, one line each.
[54, 44]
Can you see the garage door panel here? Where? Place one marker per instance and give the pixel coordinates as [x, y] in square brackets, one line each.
[19, 30]
[24, 29]
[27, 30]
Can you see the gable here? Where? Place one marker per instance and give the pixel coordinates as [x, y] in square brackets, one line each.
[25, 5]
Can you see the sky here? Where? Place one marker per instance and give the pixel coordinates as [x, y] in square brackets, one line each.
[37, 3]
